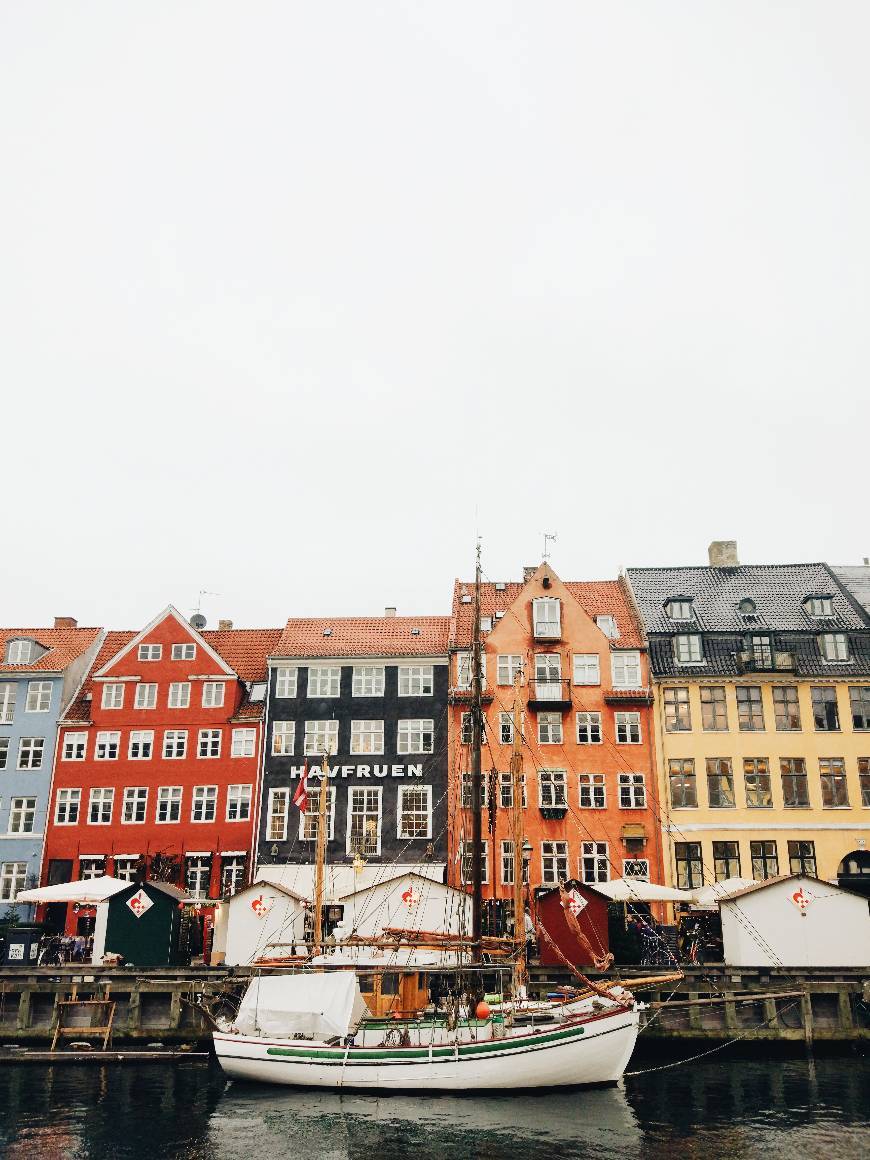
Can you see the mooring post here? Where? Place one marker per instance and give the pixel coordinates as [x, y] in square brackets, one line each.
[807, 1019]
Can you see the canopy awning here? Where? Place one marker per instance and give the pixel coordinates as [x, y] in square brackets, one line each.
[321, 1005]
[89, 890]
[709, 896]
[637, 890]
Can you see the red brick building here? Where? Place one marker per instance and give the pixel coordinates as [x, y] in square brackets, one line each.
[591, 810]
[158, 759]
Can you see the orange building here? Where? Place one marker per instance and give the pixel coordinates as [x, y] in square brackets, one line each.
[591, 810]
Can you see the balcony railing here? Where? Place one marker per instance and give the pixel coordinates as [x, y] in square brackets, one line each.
[639, 695]
[549, 694]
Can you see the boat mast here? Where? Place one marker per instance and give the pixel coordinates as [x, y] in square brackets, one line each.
[476, 785]
[320, 855]
[517, 836]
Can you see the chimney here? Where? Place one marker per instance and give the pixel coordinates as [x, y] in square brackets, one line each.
[224, 625]
[388, 611]
[723, 554]
[65, 622]
[528, 572]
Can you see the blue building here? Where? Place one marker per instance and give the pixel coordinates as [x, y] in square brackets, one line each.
[40, 672]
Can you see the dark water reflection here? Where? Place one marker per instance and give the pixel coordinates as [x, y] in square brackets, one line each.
[726, 1108]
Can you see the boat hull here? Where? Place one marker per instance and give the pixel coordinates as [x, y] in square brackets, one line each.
[593, 1050]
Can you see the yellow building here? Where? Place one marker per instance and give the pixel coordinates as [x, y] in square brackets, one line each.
[762, 709]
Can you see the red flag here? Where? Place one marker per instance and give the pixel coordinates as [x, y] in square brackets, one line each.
[300, 798]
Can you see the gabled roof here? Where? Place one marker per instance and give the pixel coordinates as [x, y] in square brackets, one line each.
[79, 712]
[168, 611]
[364, 636]
[778, 590]
[64, 646]
[788, 878]
[394, 878]
[595, 597]
[267, 882]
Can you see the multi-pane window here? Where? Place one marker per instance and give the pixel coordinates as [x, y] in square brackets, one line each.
[204, 806]
[726, 860]
[506, 728]
[554, 862]
[864, 780]
[125, 868]
[859, 700]
[628, 728]
[4, 751]
[756, 782]
[636, 868]
[146, 696]
[39, 696]
[464, 670]
[107, 746]
[632, 791]
[508, 863]
[679, 609]
[714, 711]
[506, 789]
[765, 860]
[690, 869]
[416, 680]
[13, 876]
[625, 669]
[22, 815]
[169, 803]
[587, 669]
[786, 709]
[720, 783]
[321, 737]
[19, 652]
[309, 821]
[818, 606]
[66, 807]
[834, 646]
[243, 742]
[549, 728]
[30, 752]
[91, 866]
[367, 737]
[509, 664]
[197, 874]
[687, 649]
[594, 862]
[465, 781]
[683, 783]
[150, 652]
[750, 712]
[761, 649]
[826, 716]
[175, 743]
[465, 854]
[209, 743]
[795, 788]
[135, 804]
[113, 696]
[285, 682]
[213, 694]
[8, 693]
[802, 858]
[100, 806]
[141, 745]
[415, 811]
[546, 617]
[608, 626]
[835, 792]
[552, 788]
[548, 676]
[183, 652]
[588, 728]
[283, 737]
[179, 695]
[324, 680]
[593, 791]
[678, 717]
[466, 732]
[233, 870]
[238, 803]
[368, 681]
[74, 746]
[415, 736]
[364, 822]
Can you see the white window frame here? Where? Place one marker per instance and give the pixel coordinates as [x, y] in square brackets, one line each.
[38, 697]
[632, 786]
[465, 790]
[834, 646]
[286, 681]
[146, 695]
[91, 866]
[587, 669]
[113, 695]
[172, 739]
[679, 610]
[819, 607]
[213, 693]
[378, 791]
[184, 652]
[324, 676]
[599, 853]
[368, 681]
[320, 735]
[23, 810]
[75, 746]
[465, 849]
[509, 664]
[367, 737]
[67, 802]
[239, 799]
[625, 724]
[591, 722]
[107, 739]
[416, 680]
[150, 652]
[625, 669]
[8, 699]
[169, 802]
[506, 857]
[411, 734]
[4, 752]
[506, 789]
[203, 796]
[463, 670]
[688, 649]
[545, 625]
[554, 852]
[140, 737]
[197, 874]
[629, 866]
[404, 791]
[179, 695]
[19, 652]
[595, 787]
[13, 877]
[243, 742]
[506, 727]
[34, 749]
[134, 797]
[206, 737]
[550, 731]
[608, 625]
[555, 781]
[100, 796]
[310, 820]
[283, 738]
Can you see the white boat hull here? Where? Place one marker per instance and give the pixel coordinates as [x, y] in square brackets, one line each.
[591, 1050]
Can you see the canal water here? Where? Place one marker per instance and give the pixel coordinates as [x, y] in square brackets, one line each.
[723, 1108]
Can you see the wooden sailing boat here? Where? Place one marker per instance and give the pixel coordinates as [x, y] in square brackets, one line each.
[309, 1029]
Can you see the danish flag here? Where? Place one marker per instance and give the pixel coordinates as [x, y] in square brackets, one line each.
[300, 798]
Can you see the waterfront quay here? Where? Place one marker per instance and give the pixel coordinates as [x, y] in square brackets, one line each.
[712, 1004]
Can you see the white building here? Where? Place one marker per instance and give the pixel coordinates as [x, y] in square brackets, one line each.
[410, 901]
[796, 921]
[265, 918]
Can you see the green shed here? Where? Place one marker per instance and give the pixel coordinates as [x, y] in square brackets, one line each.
[143, 924]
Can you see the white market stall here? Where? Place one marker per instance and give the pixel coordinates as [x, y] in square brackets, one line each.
[265, 918]
[87, 892]
[409, 901]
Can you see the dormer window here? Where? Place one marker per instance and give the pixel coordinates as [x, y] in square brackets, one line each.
[819, 606]
[834, 646]
[679, 608]
[547, 618]
[19, 652]
[608, 626]
[486, 624]
[746, 607]
[687, 649]
[762, 651]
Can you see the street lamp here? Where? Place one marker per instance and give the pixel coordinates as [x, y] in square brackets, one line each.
[527, 857]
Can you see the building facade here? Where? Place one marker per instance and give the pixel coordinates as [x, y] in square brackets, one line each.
[762, 700]
[371, 694]
[590, 810]
[158, 758]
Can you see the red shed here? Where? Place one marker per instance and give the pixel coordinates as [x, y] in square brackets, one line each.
[592, 920]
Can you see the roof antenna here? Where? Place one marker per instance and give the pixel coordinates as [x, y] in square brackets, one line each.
[203, 592]
[548, 536]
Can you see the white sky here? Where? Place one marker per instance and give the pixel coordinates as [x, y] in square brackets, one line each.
[295, 296]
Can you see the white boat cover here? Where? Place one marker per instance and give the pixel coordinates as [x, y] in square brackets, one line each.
[320, 1005]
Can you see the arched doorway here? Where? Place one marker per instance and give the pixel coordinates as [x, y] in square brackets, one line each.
[854, 872]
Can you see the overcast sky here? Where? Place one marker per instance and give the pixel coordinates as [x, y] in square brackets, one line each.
[296, 297]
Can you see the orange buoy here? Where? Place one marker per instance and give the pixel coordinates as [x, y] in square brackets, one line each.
[482, 1010]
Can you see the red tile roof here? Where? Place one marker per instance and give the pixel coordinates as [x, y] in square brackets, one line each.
[362, 636]
[80, 709]
[595, 597]
[64, 646]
